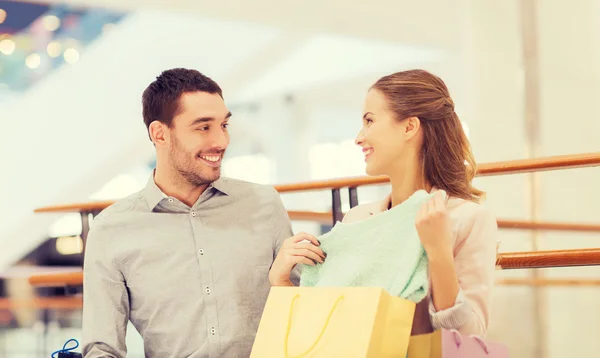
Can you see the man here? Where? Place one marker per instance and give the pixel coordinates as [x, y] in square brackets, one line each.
[187, 258]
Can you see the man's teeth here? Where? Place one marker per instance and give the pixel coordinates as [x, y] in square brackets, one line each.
[369, 151]
[212, 158]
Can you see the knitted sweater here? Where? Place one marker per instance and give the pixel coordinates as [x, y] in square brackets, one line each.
[380, 251]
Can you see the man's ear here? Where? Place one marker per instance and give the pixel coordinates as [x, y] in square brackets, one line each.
[413, 124]
[158, 132]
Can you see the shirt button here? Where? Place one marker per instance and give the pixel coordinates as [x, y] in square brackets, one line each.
[213, 330]
[208, 290]
[171, 200]
[201, 251]
[193, 213]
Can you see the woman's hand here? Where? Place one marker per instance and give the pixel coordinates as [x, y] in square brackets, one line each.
[301, 248]
[435, 231]
[434, 226]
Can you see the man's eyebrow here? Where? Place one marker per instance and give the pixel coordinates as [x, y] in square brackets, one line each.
[202, 120]
[208, 119]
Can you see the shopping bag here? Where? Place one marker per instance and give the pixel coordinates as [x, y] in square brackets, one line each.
[451, 344]
[323, 322]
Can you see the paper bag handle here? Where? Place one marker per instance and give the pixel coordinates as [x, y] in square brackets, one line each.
[289, 328]
[458, 341]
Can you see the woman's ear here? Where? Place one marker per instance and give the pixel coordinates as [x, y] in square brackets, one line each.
[413, 124]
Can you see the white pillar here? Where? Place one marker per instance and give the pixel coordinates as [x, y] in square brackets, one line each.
[490, 101]
[569, 72]
[287, 136]
[570, 75]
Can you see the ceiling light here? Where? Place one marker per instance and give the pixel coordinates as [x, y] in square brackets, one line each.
[54, 49]
[71, 55]
[51, 22]
[33, 61]
[7, 46]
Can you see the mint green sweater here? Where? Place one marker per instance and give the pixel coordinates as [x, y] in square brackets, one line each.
[381, 251]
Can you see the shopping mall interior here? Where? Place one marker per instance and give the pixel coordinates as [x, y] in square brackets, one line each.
[524, 76]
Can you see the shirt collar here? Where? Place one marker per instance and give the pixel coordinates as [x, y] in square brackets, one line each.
[154, 195]
[220, 185]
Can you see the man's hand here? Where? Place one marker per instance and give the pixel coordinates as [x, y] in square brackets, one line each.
[301, 248]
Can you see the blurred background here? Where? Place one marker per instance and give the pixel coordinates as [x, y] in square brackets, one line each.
[524, 74]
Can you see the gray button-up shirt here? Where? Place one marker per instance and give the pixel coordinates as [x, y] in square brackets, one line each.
[193, 281]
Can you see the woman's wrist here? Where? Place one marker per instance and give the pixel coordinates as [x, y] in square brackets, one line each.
[280, 282]
[440, 254]
[276, 278]
[444, 280]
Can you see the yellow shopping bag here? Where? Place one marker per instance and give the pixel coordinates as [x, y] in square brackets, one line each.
[353, 322]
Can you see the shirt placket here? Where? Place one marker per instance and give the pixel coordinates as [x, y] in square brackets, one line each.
[207, 285]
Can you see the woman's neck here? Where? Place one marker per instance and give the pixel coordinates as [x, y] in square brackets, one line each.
[405, 182]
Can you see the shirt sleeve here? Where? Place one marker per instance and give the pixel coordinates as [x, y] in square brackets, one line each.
[475, 266]
[282, 231]
[105, 301]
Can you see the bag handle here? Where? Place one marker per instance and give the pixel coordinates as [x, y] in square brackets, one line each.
[458, 340]
[289, 328]
[482, 343]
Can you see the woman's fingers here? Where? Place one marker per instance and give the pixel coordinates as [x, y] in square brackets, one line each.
[304, 236]
[305, 261]
[311, 247]
[306, 253]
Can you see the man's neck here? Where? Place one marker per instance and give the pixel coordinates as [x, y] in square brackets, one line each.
[174, 185]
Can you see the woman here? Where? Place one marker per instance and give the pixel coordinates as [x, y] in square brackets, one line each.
[411, 134]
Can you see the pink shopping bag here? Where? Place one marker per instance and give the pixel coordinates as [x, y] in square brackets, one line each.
[451, 344]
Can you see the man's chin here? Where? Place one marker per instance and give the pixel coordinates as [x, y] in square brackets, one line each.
[209, 175]
[202, 177]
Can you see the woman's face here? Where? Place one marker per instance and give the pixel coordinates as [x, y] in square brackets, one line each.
[382, 137]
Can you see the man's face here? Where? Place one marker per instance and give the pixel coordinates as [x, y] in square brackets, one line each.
[198, 137]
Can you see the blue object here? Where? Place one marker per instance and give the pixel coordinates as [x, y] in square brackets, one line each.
[64, 352]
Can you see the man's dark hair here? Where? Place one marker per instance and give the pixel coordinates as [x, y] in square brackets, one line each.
[160, 100]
